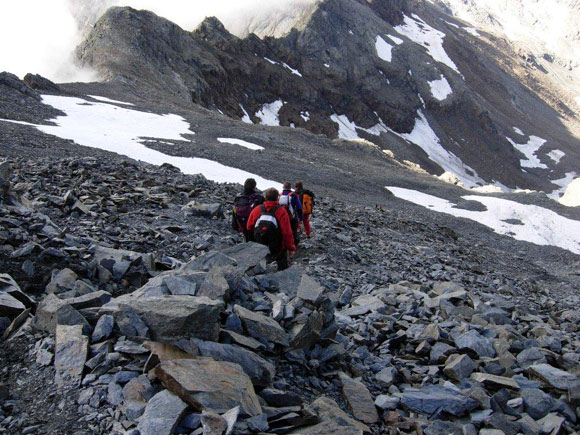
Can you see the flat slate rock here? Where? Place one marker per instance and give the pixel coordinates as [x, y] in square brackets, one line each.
[476, 342]
[260, 371]
[262, 327]
[309, 290]
[118, 261]
[162, 414]
[497, 381]
[205, 384]
[10, 306]
[433, 398]
[553, 377]
[247, 255]
[71, 352]
[174, 317]
[359, 399]
[333, 420]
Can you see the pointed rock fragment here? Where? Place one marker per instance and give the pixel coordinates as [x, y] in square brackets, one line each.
[262, 327]
[162, 414]
[359, 399]
[333, 420]
[70, 354]
[206, 384]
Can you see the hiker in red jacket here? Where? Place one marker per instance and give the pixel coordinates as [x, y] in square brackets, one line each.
[271, 226]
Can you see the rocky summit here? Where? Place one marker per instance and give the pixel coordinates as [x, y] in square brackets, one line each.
[128, 313]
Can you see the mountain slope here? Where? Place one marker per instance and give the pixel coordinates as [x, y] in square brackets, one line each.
[355, 70]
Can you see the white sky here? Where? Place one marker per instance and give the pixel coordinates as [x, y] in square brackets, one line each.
[39, 36]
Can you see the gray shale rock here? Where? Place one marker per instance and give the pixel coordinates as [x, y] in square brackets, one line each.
[162, 414]
[103, 328]
[537, 403]
[555, 378]
[459, 368]
[136, 394]
[71, 352]
[171, 318]
[195, 208]
[476, 342]
[260, 371]
[207, 384]
[262, 327]
[359, 399]
[433, 398]
[333, 420]
[247, 255]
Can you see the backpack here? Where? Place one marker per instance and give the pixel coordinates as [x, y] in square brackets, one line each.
[307, 199]
[286, 202]
[243, 206]
[266, 231]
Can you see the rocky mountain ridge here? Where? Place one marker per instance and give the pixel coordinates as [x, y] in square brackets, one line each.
[336, 83]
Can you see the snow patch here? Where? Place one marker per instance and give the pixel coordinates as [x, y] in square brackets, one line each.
[108, 100]
[384, 49]
[556, 155]
[471, 30]
[440, 89]
[243, 143]
[292, 70]
[246, 118]
[563, 183]
[305, 116]
[423, 34]
[518, 131]
[424, 137]
[535, 224]
[326, 65]
[396, 40]
[284, 65]
[268, 114]
[571, 197]
[348, 130]
[119, 129]
[529, 150]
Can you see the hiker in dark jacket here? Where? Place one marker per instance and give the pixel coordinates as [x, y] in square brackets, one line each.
[294, 207]
[306, 198]
[244, 203]
[283, 244]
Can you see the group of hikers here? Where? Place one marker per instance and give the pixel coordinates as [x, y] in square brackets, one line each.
[273, 218]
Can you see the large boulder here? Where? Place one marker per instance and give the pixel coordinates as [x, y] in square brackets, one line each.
[260, 371]
[171, 318]
[213, 385]
[247, 255]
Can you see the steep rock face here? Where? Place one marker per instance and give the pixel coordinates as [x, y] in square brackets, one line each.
[333, 77]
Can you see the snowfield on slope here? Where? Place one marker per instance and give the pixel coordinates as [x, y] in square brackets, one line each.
[440, 89]
[529, 150]
[240, 142]
[525, 222]
[431, 39]
[119, 129]
[268, 114]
